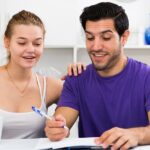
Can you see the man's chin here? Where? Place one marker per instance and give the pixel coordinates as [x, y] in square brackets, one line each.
[99, 68]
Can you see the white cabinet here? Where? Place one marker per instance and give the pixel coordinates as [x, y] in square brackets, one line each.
[141, 53]
[55, 58]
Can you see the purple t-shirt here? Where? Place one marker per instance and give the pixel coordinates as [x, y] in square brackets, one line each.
[122, 100]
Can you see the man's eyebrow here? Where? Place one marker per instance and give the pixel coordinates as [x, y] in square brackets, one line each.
[102, 32]
[106, 31]
[88, 32]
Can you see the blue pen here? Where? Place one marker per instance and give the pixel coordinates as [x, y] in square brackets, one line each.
[41, 113]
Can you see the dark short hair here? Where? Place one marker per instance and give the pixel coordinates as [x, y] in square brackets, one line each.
[106, 10]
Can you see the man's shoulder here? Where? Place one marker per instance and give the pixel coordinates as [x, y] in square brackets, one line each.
[85, 73]
[139, 64]
[139, 68]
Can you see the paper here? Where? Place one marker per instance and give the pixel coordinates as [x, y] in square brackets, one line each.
[67, 142]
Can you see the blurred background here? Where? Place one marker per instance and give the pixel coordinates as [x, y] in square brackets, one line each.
[64, 41]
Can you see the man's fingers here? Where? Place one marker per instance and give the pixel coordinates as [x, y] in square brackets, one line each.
[55, 135]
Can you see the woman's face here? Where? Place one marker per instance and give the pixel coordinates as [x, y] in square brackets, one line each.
[25, 45]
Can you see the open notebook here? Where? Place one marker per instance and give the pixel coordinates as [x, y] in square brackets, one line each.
[68, 142]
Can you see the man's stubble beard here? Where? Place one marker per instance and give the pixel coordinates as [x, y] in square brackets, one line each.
[112, 61]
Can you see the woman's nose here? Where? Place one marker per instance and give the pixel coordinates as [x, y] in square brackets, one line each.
[30, 48]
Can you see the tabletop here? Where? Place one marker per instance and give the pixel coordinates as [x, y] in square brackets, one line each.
[31, 144]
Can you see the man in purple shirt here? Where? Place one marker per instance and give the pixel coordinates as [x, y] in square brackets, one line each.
[112, 97]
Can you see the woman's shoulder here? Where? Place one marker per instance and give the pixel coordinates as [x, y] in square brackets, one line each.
[53, 89]
[3, 72]
[52, 81]
[2, 68]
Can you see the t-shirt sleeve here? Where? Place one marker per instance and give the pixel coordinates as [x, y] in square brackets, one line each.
[69, 96]
[147, 92]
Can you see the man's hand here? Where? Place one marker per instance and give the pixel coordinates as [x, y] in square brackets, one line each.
[55, 130]
[119, 138]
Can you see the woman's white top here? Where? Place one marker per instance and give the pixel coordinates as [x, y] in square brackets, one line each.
[25, 124]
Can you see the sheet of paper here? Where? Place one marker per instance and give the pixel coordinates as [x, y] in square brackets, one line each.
[144, 147]
[68, 142]
[43, 143]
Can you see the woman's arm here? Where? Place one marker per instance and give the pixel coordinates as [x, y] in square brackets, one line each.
[54, 86]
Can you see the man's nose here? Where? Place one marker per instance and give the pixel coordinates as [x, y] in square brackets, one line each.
[97, 44]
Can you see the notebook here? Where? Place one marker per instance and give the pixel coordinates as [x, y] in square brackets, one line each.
[72, 143]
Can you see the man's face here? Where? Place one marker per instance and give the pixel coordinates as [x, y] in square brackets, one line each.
[103, 44]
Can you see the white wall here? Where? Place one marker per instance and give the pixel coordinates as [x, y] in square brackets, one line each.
[138, 12]
[57, 15]
[61, 17]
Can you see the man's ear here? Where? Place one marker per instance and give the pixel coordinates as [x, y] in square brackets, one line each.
[124, 37]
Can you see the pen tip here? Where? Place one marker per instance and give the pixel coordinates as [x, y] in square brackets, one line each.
[33, 108]
[36, 110]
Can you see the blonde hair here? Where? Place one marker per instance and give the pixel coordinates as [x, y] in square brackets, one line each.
[23, 17]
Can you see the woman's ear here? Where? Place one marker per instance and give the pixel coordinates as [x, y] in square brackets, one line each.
[6, 42]
[124, 37]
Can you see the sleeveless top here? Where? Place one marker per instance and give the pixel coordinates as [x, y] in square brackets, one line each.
[25, 124]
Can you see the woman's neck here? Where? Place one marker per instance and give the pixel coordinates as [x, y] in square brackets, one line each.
[20, 78]
[18, 73]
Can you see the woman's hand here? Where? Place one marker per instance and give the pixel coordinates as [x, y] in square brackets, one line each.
[74, 69]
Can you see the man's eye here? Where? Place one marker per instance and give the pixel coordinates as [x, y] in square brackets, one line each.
[106, 38]
[90, 38]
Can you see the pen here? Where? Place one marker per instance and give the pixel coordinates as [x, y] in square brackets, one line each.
[41, 113]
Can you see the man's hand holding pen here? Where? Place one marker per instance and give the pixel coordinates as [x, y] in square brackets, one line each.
[56, 129]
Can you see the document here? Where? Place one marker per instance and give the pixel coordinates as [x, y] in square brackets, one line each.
[67, 142]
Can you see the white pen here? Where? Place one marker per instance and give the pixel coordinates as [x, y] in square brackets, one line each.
[41, 113]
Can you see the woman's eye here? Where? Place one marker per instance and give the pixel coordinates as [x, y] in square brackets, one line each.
[21, 43]
[37, 44]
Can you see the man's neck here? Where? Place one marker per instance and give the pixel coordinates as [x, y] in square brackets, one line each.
[117, 68]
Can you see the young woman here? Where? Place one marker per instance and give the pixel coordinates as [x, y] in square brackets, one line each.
[21, 88]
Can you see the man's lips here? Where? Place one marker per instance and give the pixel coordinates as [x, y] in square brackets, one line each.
[99, 54]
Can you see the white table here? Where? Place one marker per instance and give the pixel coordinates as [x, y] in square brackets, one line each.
[30, 144]
[18, 144]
